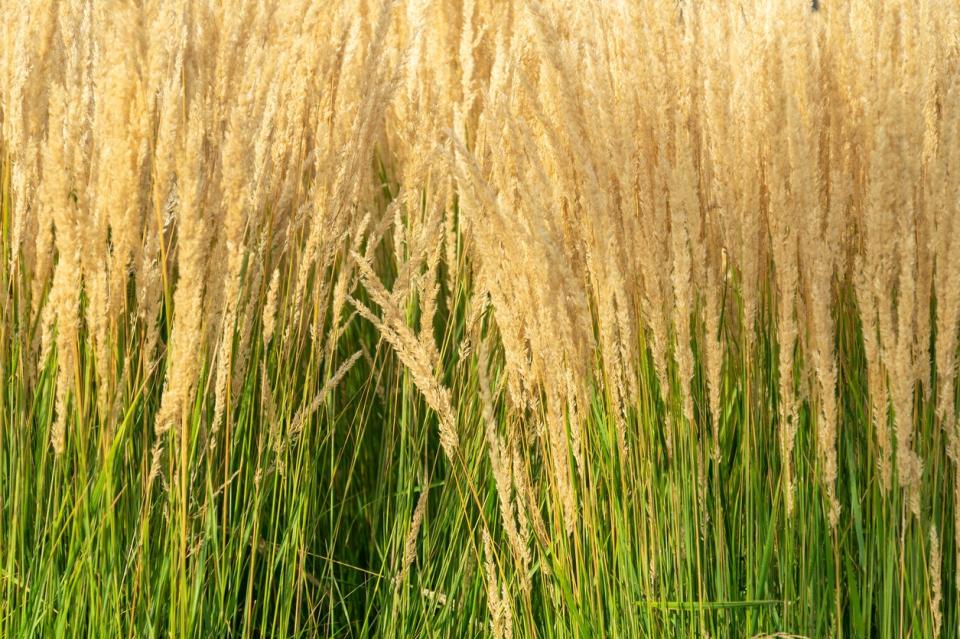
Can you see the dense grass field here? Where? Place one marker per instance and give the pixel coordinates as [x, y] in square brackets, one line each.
[464, 318]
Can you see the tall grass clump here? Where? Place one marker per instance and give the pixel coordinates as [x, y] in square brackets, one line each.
[458, 318]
